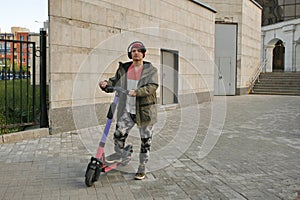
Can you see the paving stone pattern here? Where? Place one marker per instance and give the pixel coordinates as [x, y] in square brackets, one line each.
[256, 157]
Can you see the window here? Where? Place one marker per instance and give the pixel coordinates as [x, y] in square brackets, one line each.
[290, 10]
[280, 10]
[298, 10]
[289, 2]
[288, 18]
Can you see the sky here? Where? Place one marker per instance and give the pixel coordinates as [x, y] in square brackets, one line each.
[28, 14]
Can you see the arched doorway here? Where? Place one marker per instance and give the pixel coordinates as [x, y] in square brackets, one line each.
[278, 56]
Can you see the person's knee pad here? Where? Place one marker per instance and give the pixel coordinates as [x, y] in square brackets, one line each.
[119, 139]
[145, 145]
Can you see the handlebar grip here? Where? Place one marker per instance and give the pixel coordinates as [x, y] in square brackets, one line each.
[117, 89]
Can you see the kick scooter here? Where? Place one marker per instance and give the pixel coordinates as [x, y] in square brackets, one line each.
[99, 163]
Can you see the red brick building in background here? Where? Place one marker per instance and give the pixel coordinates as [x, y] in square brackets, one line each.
[22, 50]
[18, 53]
[6, 54]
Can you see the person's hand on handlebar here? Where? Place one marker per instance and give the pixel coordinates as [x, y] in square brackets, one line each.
[103, 84]
[132, 93]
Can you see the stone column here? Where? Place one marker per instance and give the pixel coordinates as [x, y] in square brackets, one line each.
[263, 51]
[269, 58]
[297, 55]
[289, 47]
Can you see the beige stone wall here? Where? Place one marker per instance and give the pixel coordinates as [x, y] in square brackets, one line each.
[247, 14]
[89, 37]
[227, 11]
[250, 42]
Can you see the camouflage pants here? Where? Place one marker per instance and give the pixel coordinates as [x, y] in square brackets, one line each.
[124, 125]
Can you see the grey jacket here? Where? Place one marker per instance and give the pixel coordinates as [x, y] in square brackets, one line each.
[146, 100]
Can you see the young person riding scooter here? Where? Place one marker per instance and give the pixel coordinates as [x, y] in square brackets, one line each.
[139, 107]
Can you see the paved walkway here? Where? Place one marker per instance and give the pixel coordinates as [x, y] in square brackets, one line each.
[255, 154]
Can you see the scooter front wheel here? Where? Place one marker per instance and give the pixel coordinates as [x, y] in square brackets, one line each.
[89, 177]
[93, 171]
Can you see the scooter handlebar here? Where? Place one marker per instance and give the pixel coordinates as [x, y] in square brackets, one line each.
[118, 89]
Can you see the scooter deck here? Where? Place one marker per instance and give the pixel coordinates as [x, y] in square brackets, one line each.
[117, 158]
[112, 158]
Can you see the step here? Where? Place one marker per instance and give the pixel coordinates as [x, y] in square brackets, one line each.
[280, 73]
[277, 89]
[279, 79]
[278, 83]
[269, 85]
[276, 93]
[292, 84]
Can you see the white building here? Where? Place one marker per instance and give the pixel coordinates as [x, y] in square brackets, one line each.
[280, 44]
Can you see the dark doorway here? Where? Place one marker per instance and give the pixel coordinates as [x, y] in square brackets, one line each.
[278, 56]
[169, 60]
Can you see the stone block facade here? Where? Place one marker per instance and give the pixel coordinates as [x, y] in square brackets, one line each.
[247, 15]
[89, 37]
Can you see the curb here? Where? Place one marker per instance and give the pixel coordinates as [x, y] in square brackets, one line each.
[23, 135]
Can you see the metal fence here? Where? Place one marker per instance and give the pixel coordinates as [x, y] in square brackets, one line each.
[22, 101]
